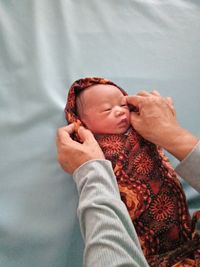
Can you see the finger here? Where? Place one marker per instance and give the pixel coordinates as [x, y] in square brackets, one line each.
[70, 128]
[155, 92]
[63, 134]
[85, 135]
[170, 104]
[143, 93]
[169, 100]
[134, 118]
[134, 100]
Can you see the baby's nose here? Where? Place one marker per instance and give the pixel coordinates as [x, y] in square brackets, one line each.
[119, 111]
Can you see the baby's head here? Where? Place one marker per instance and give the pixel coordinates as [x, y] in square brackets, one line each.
[101, 107]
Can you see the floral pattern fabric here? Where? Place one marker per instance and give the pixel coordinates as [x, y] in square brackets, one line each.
[150, 190]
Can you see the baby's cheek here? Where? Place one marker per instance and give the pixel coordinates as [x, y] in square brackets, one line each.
[128, 114]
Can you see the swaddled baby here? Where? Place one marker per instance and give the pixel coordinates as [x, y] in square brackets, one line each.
[148, 185]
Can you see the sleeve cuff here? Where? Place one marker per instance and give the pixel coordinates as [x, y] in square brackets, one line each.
[189, 168]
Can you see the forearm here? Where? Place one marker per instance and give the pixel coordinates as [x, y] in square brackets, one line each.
[110, 238]
[189, 167]
[179, 142]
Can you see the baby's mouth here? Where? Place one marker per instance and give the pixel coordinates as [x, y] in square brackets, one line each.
[123, 122]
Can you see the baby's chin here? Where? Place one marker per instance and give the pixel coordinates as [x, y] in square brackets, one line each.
[120, 130]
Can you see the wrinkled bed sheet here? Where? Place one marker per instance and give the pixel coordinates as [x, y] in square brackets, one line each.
[44, 47]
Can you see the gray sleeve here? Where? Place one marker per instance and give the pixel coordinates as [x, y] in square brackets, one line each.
[189, 168]
[108, 232]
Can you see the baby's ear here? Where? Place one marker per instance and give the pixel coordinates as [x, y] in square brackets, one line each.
[77, 124]
[75, 135]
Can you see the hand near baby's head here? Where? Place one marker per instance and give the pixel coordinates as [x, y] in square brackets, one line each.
[71, 154]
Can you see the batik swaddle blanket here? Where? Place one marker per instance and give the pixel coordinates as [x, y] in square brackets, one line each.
[150, 190]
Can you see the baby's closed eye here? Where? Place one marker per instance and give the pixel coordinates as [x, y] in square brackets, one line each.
[107, 109]
[124, 105]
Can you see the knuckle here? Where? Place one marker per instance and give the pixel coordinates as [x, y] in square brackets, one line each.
[142, 92]
[58, 132]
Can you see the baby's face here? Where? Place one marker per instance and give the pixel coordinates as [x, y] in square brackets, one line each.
[104, 110]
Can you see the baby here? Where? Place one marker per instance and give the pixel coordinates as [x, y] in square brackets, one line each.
[103, 109]
[147, 183]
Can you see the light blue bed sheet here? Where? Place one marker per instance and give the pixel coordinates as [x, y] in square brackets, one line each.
[44, 47]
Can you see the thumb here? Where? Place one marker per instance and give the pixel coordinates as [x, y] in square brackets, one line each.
[85, 135]
[134, 100]
[134, 117]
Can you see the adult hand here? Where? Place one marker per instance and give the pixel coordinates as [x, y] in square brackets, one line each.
[154, 117]
[72, 154]
[156, 121]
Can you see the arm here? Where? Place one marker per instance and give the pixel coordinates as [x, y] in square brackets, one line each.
[110, 237]
[189, 168]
